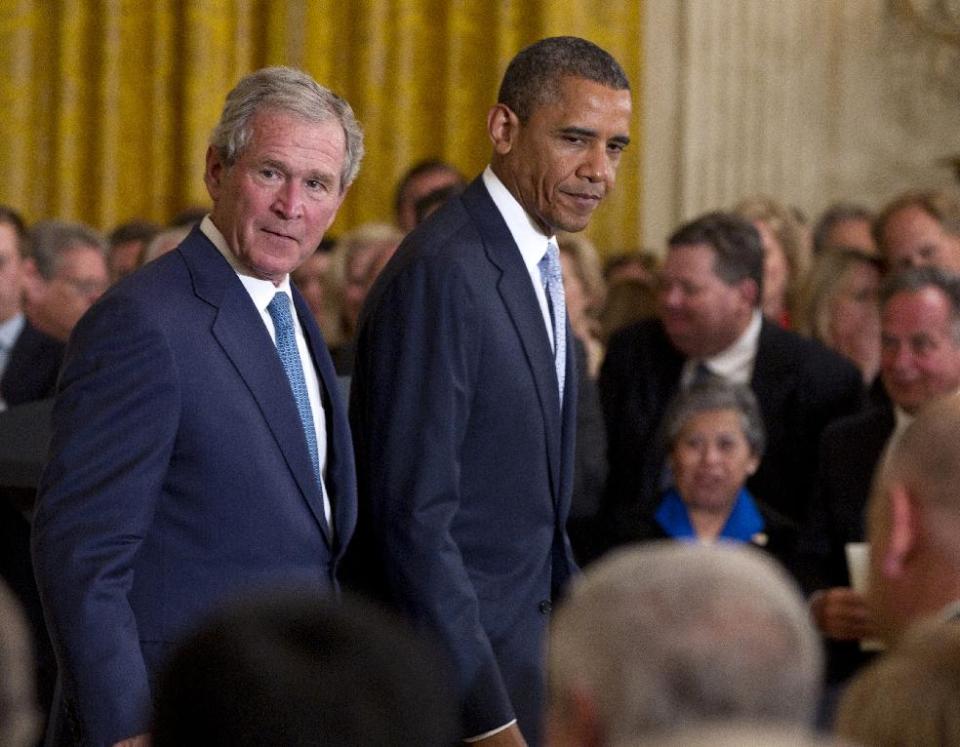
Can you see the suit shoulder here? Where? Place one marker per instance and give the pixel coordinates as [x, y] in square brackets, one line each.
[853, 428]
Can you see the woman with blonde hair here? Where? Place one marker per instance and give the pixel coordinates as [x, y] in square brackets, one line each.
[839, 307]
[786, 255]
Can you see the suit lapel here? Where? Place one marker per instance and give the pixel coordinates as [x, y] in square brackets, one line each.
[521, 303]
[244, 339]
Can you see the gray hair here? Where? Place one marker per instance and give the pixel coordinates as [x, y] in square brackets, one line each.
[710, 396]
[940, 204]
[51, 239]
[670, 634]
[533, 77]
[916, 279]
[291, 91]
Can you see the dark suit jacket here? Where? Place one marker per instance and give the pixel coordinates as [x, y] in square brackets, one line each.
[32, 368]
[178, 476]
[800, 386]
[464, 457]
[850, 450]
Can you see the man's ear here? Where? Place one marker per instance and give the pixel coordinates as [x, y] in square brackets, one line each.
[502, 127]
[904, 529]
[749, 291]
[213, 174]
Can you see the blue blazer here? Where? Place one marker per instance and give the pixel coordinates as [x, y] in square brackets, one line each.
[464, 456]
[178, 476]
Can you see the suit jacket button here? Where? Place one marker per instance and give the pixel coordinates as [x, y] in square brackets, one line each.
[545, 607]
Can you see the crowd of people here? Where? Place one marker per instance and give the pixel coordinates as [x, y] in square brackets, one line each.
[706, 431]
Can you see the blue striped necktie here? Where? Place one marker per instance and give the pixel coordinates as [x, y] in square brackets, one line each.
[552, 277]
[279, 309]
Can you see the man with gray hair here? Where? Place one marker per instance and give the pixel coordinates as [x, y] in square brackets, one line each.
[920, 229]
[64, 271]
[919, 363]
[668, 635]
[199, 444]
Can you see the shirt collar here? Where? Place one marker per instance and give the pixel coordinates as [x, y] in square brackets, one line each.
[531, 241]
[260, 290]
[735, 364]
[10, 330]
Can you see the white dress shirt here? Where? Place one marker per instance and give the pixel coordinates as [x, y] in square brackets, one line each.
[531, 241]
[735, 364]
[262, 293]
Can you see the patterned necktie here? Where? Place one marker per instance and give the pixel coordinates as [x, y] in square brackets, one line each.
[552, 277]
[279, 309]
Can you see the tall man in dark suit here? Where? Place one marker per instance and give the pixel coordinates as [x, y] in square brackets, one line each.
[464, 392]
[199, 445]
[710, 324]
[919, 363]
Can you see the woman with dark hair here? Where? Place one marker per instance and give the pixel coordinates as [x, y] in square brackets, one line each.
[715, 439]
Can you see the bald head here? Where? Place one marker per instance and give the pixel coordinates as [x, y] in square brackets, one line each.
[914, 521]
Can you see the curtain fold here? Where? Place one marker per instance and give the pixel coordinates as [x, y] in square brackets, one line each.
[107, 104]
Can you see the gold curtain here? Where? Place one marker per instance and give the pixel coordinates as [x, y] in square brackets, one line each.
[107, 104]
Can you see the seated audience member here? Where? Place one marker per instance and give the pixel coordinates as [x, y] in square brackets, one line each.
[427, 204]
[914, 524]
[65, 272]
[13, 238]
[710, 320]
[312, 278]
[642, 265]
[188, 217]
[19, 719]
[292, 670]
[419, 181]
[165, 241]
[671, 635]
[909, 696]
[628, 301]
[715, 439]
[358, 257]
[920, 362]
[919, 229]
[126, 244]
[839, 307]
[844, 225]
[584, 293]
[786, 257]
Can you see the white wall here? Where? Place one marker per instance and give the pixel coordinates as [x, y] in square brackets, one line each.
[810, 101]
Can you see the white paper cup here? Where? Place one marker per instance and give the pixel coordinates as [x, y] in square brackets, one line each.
[858, 566]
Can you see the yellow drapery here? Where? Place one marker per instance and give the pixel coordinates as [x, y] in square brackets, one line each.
[106, 105]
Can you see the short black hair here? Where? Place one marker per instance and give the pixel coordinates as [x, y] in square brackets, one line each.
[533, 76]
[293, 669]
[134, 230]
[418, 169]
[735, 242]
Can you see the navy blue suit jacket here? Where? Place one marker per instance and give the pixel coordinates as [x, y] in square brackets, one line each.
[178, 476]
[464, 456]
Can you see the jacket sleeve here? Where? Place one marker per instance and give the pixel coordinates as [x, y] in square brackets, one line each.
[114, 425]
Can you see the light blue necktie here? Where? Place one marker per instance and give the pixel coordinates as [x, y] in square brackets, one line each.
[552, 277]
[279, 309]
